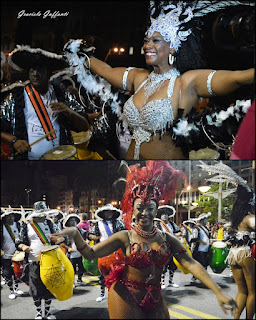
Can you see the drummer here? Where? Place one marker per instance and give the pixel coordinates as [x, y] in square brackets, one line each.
[72, 220]
[34, 235]
[34, 109]
[10, 228]
[57, 217]
[202, 241]
[166, 213]
[189, 233]
[109, 222]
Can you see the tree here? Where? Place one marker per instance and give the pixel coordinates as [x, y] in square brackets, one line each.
[210, 204]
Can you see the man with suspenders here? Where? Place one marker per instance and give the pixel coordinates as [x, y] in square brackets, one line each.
[36, 108]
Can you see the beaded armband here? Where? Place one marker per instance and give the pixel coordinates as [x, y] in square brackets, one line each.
[209, 80]
[125, 77]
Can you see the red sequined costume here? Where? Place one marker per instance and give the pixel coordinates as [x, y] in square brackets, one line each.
[135, 287]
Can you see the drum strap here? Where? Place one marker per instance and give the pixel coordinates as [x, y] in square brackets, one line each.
[107, 228]
[10, 232]
[39, 232]
[165, 226]
[207, 233]
[40, 110]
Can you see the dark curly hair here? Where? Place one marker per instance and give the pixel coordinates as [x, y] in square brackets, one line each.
[242, 206]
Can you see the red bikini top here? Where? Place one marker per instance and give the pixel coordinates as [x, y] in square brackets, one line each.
[143, 256]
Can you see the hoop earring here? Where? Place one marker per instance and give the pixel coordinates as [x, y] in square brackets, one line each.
[171, 59]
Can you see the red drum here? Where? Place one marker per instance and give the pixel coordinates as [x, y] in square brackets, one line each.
[107, 263]
[18, 263]
[253, 251]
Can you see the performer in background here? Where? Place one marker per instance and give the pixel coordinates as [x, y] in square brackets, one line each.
[32, 110]
[202, 240]
[166, 213]
[109, 222]
[135, 287]
[241, 239]
[72, 220]
[10, 228]
[34, 235]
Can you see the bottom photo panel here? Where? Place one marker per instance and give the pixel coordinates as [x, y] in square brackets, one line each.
[128, 239]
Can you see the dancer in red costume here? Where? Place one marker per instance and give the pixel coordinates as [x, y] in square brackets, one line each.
[135, 287]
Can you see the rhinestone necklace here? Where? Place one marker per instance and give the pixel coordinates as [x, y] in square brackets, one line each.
[155, 81]
[145, 234]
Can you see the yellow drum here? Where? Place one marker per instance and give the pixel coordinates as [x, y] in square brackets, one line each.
[205, 153]
[182, 269]
[57, 272]
[65, 152]
[81, 141]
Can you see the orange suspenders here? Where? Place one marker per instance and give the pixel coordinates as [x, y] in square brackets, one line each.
[40, 110]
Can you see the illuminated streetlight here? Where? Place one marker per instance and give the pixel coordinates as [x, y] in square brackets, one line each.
[116, 50]
[204, 189]
[99, 202]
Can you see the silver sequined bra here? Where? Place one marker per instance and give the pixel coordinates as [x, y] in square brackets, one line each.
[155, 116]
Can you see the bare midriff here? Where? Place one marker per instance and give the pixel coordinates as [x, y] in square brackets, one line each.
[159, 148]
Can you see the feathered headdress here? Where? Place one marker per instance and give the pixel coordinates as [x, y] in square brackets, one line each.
[156, 181]
[170, 18]
[225, 174]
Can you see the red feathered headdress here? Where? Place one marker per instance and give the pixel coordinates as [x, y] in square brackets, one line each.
[157, 181]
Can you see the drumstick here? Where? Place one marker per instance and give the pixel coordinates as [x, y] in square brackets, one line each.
[44, 136]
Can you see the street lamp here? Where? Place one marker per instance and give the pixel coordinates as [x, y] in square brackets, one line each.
[204, 189]
[28, 191]
[117, 50]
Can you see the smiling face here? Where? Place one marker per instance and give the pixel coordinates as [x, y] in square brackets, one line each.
[156, 50]
[39, 78]
[144, 214]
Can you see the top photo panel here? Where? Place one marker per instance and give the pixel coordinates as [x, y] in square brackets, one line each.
[127, 80]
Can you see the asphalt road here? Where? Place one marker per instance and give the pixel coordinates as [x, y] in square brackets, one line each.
[189, 301]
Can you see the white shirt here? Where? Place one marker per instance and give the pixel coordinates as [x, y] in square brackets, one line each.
[203, 236]
[103, 231]
[75, 254]
[35, 243]
[8, 245]
[35, 129]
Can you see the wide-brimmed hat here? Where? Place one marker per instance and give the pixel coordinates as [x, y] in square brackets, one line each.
[6, 212]
[40, 210]
[165, 209]
[186, 222]
[26, 57]
[56, 213]
[100, 212]
[69, 216]
[203, 216]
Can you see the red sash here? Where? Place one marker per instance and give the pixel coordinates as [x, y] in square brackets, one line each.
[40, 110]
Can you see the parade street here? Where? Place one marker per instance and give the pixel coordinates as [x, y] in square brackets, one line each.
[189, 301]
